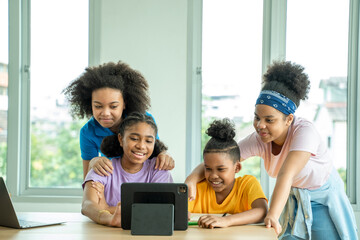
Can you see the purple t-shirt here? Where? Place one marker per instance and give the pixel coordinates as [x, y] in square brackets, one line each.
[112, 183]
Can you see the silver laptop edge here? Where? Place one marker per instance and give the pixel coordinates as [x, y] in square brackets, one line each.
[8, 217]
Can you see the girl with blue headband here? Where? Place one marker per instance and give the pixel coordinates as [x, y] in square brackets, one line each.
[309, 200]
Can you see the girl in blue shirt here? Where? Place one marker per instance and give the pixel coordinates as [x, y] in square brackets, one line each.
[106, 94]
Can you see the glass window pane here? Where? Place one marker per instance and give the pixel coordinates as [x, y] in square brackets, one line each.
[231, 66]
[59, 53]
[4, 56]
[319, 42]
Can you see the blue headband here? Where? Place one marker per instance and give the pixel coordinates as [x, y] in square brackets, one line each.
[277, 101]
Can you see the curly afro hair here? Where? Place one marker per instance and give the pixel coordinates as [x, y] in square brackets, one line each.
[130, 82]
[222, 133]
[288, 79]
[110, 145]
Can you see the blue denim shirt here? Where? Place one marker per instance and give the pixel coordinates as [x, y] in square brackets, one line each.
[331, 195]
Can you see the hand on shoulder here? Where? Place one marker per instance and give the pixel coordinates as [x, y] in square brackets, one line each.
[164, 161]
[102, 166]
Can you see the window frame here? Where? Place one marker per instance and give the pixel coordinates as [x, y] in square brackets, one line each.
[18, 156]
[194, 86]
[274, 40]
[353, 112]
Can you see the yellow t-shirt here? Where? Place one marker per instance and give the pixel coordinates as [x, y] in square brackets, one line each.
[246, 190]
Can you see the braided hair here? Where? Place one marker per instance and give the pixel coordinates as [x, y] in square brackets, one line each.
[222, 133]
[110, 145]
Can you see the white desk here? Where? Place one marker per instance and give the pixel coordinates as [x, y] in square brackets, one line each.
[81, 227]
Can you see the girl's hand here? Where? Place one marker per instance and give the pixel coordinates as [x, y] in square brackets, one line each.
[191, 189]
[210, 221]
[164, 161]
[100, 192]
[116, 217]
[102, 166]
[98, 187]
[271, 221]
[197, 175]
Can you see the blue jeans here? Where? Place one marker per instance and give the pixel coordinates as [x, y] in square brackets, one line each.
[322, 227]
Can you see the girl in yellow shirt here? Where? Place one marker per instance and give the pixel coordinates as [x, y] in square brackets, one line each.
[242, 198]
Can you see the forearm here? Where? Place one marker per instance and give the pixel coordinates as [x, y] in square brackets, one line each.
[95, 213]
[255, 215]
[293, 164]
[85, 167]
[111, 209]
[197, 174]
[280, 195]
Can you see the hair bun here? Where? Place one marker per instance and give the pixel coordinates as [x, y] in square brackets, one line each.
[289, 79]
[223, 130]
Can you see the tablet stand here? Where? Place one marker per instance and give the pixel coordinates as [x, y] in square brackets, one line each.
[152, 219]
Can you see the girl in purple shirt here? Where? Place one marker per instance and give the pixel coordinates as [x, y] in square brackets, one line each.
[135, 143]
[106, 94]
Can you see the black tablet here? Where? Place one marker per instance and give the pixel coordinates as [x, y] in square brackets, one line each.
[155, 193]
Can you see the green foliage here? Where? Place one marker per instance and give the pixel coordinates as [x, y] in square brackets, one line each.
[3, 153]
[55, 157]
[342, 173]
[250, 167]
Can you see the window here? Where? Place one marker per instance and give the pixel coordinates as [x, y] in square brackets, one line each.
[49, 44]
[319, 42]
[58, 54]
[324, 42]
[4, 23]
[266, 42]
[231, 67]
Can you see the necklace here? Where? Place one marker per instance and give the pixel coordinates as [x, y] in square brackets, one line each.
[130, 170]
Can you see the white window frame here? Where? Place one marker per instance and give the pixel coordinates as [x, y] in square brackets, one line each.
[18, 154]
[353, 110]
[194, 86]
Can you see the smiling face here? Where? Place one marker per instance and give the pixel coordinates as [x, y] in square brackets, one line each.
[107, 107]
[220, 172]
[138, 144]
[271, 124]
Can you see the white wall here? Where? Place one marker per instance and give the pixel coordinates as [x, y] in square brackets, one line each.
[151, 36]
